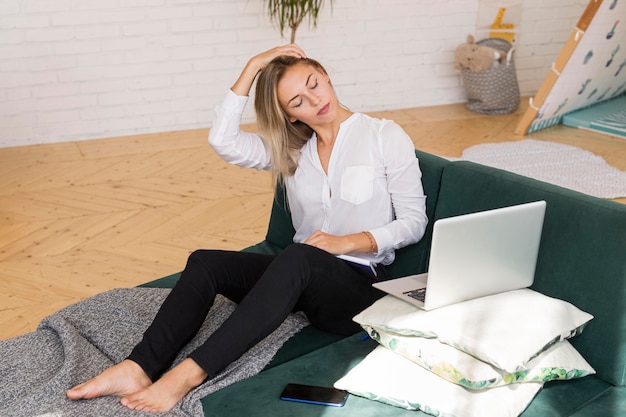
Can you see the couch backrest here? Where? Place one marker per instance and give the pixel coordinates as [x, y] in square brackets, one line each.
[280, 231]
[582, 256]
[409, 260]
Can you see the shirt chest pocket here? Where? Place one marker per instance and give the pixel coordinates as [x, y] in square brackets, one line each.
[357, 183]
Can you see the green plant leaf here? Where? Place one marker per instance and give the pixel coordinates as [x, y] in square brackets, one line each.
[290, 13]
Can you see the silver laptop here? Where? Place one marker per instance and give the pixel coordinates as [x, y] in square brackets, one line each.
[474, 255]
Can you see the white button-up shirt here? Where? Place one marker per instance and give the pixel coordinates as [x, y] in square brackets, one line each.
[373, 182]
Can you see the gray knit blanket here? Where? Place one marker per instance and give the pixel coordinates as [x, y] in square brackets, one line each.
[78, 342]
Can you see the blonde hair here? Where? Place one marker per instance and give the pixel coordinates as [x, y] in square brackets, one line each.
[284, 138]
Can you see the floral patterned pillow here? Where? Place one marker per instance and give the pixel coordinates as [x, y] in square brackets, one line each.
[560, 362]
[391, 379]
[506, 330]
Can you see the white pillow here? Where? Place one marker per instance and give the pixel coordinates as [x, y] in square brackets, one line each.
[392, 379]
[506, 329]
[559, 362]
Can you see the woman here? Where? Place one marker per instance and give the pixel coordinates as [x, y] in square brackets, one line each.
[353, 187]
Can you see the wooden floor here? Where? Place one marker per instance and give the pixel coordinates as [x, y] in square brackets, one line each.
[84, 217]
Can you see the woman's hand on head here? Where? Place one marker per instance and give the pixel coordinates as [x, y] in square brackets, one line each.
[244, 83]
[261, 60]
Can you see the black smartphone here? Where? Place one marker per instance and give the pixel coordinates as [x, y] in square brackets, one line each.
[314, 395]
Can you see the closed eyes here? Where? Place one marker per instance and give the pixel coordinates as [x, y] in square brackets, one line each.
[313, 87]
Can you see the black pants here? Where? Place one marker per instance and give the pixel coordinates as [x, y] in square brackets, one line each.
[266, 288]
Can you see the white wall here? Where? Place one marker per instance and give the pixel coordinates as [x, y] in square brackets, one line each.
[83, 69]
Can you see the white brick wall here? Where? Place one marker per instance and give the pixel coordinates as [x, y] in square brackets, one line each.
[74, 70]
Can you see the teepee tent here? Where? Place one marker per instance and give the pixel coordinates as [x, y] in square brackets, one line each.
[586, 86]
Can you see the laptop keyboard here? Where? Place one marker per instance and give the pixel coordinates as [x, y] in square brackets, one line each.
[419, 294]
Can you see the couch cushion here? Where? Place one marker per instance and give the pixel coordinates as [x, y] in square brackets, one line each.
[259, 395]
[565, 398]
[612, 402]
[581, 258]
[165, 282]
[305, 341]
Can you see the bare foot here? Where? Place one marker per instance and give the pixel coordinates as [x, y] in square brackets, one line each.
[172, 387]
[122, 379]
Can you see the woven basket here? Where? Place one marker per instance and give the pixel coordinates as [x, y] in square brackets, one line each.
[494, 90]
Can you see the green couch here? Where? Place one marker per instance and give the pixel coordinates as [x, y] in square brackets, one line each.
[582, 260]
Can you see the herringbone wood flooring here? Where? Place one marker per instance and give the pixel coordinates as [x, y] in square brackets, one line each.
[84, 217]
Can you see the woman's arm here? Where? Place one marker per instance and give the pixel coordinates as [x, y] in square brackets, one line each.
[240, 148]
[404, 184]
